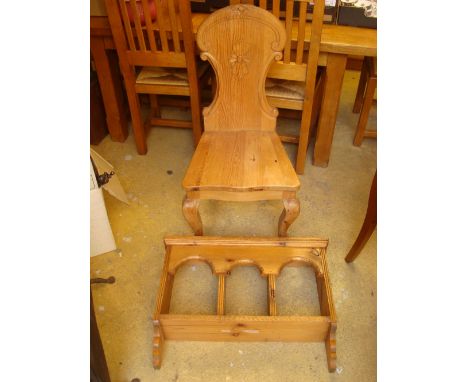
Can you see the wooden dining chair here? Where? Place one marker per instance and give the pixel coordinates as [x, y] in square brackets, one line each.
[294, 82]
[240, 157]
[364, 99]
[156, 52]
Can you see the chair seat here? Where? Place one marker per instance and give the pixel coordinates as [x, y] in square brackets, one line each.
[168, 76]
[286, 89]
[240, 161]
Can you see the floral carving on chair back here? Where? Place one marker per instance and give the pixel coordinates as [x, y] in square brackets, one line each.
[241, 42]
[240, 59]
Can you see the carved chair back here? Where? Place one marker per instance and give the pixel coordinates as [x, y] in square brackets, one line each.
[240, 42]
[303, 23]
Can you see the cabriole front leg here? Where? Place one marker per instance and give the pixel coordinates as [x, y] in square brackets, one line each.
[289, 214]
[190, 210]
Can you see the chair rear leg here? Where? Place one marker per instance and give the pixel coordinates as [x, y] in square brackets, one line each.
[361, 87]
[135, 112]
[195, 107]
[196, 118]
[303, 144]
[368, 227]
[366, 106]
[309, 115]
[155, 110]
[318, 97]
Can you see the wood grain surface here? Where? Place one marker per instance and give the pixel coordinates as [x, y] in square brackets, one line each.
[270, 255]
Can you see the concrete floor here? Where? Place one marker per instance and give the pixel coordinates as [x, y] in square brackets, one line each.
[333, 205]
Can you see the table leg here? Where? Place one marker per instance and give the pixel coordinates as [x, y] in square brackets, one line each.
[111, 89]
[336, 65]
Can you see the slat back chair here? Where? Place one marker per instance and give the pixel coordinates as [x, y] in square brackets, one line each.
[292, 82]
[156, 35]
[240, 157]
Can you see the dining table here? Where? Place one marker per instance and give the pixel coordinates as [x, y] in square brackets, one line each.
[338, 43]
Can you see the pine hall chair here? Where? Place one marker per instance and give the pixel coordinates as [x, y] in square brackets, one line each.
[240, 157]
[156, 53]
[295, 82]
